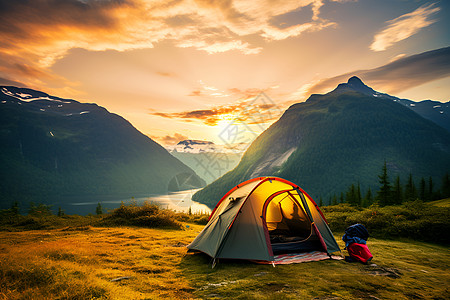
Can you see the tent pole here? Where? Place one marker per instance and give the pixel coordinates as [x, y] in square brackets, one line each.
[214, 263]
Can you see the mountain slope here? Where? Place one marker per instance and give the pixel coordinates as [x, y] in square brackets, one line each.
[331, 141]
[51, 146]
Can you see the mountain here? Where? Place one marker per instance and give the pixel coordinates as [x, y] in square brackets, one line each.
[194, 146]
[51, 147]
[208, 160]
[198, 146]
[435, 111]
[340, 138]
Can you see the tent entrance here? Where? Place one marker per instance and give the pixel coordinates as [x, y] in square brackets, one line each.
[289, 227]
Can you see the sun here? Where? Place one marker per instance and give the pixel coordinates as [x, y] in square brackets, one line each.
[226, 122]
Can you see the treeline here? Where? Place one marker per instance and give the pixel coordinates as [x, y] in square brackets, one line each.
[392, 192]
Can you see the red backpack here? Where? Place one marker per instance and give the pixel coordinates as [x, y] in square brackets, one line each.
[359, 252]
[355, 238]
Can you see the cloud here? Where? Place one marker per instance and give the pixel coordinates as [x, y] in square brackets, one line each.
[36, 33]
[403, 27]
[166, 74]
[257, 110]
[395, 77]
[169, 140]
[6, 81]
[196, 93]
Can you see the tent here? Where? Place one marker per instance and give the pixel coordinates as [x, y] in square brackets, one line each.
[263, 218]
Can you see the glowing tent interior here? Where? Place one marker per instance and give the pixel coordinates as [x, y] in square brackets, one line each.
[263, 218]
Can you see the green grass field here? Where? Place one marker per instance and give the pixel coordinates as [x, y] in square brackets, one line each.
[140, 263]
[139, 252]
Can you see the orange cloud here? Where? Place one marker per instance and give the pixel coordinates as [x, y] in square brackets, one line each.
[257, 110]
[170, 140]
[36, 33]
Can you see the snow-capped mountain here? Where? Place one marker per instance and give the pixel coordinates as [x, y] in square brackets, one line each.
[199, 146]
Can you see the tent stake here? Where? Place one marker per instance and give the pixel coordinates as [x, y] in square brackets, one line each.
[273, 264]
[213, 263]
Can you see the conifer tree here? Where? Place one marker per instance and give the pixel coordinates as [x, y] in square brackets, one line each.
[358, 194]
[446, 186]
[15, 208]
[334, 201]
[341, 198]
[384, 193]
[99, 209]
[423, 190]
[410, 189]
[368, 199]
[397, 193]
[60, 212]
[351, 197]
[430, 189]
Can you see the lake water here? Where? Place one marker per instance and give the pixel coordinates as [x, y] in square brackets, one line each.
[178, 201]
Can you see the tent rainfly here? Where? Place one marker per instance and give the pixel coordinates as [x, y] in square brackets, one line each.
[262, 218]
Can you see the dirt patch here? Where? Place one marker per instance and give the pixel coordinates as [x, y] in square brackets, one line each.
[376, 270]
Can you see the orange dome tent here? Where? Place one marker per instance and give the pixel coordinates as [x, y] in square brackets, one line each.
[263, 218]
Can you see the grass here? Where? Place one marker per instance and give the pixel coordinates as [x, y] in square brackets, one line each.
[121, 255]
[154, 264]
[441, 203]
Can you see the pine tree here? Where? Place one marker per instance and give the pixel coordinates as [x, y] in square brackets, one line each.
[422, 189]
[384, 193]
[368, 199]
[351, 196]
[99, 209]
[15, 208]
[430, 189]
[334, 201]
[397, 193]
[410, 189]
[341, 198]
[60, 212]
[320, 202]
[445, 186]
[358, 194]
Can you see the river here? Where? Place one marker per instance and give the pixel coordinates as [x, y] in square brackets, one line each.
[178, 201]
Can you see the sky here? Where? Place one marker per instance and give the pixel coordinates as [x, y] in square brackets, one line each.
[207, 69]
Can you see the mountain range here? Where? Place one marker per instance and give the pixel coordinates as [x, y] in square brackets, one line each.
[208, 160]
[344, 137]
[52, 147]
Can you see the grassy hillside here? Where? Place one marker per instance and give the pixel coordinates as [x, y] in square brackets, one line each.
[103, 257]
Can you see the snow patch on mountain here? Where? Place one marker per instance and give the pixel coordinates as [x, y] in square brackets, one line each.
[29, 97]
[199, 146]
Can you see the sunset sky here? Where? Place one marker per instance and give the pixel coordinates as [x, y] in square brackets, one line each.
[186, 69]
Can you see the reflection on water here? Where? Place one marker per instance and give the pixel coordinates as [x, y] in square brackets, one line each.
[178, 201]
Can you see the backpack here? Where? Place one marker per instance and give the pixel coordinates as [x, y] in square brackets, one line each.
[355, 239]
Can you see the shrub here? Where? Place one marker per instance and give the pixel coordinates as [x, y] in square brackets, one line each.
[415, 220]
[147, 215]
